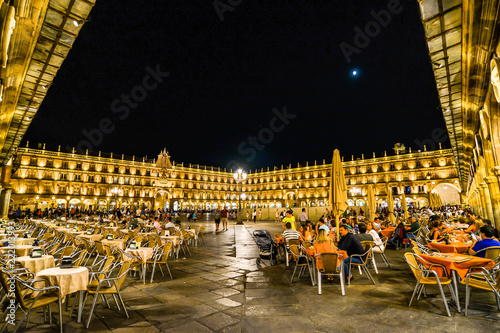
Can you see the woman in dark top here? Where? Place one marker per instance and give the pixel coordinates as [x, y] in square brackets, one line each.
[437, 232]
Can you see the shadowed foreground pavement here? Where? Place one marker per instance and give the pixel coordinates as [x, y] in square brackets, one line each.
[221, 289]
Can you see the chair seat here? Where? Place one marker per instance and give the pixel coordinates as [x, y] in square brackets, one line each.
[41, 301]
[477, 283]
[433, 280]
[102, 290]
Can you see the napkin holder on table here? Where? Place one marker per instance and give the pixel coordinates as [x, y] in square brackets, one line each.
[133, 245]
[109, 237]
[26, 235]
[66, 262]
[90, 231]
[36, 253]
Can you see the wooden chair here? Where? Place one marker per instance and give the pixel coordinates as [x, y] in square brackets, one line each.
[160, 257]
[380, 249]
[364, 258]
[426, 276]
[302, 261]
[29, 298]
[330, 268]
[484, 279]
[109, 286]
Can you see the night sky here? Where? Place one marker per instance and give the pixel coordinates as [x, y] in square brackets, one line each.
[226, 78]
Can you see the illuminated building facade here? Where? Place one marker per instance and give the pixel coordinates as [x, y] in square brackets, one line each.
[45, 178]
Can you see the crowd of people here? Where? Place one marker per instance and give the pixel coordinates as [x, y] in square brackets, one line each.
[356, 228]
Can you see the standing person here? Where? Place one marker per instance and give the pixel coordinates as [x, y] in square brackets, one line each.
[289, 218]
[260, 214]
[224, 218]
[248, 215]
[217, 219]
[303, 217]
[277, 215]
[254, 215]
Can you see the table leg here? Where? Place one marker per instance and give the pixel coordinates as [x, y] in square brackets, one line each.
[80, 306]
[144, 273]
[455, 285]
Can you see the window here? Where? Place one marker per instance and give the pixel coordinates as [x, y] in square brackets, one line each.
[127, 181]
[407, 189]
[394, 190]
[115, 180]
[420, 188]
[63, 176]
[77, 177]
[65, 164]
[393, 167]
[91, 178]
[78, 166]
[419, 164]
[146, 193]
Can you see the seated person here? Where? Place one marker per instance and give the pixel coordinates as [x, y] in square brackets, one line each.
[158, 225]
[376, 238]
[363, 236]
[289, 233]
[487, 233]
[488, 222]
[376, 225]
[414, 227]
[324, 244]
[3, 244]
[322, 225]
[133, 224]
[349, 243]
[169, 224]
[438, 230]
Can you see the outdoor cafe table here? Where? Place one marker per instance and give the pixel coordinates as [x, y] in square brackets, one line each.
[387, 232]
[20, 250]
[145, 253]
[456, 265]
[91, 238]
[454, 247]
[19, 241]
[120, 243]
[175, 243]
[70, 280]
[36, 264]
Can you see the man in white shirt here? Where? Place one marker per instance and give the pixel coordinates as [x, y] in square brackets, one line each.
[303, 217]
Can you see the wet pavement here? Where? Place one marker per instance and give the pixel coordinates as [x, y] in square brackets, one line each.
[222, 289]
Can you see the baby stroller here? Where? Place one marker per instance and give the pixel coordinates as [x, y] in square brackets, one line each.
[267, 248]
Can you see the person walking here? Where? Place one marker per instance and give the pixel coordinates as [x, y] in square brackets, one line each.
[224, 218]
[260, 214]
[277, 216]
[217, 217]
[254, 215]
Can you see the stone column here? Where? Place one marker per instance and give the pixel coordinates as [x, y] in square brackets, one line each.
[4, 202]
[486, 200]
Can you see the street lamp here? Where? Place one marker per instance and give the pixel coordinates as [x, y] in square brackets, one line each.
[115, 191]
[240, 176]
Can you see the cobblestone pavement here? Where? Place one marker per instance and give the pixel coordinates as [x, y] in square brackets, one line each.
[221, 289]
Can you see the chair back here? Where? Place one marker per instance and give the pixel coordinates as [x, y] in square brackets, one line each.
[122, 274]
[99, 248]
[166, 249]
[306, 244]
[367, 247]
[171, 230]
[294, 242]
[295, 249]
[330, 262]
[67, 251]
[411, 259]
[492, 252]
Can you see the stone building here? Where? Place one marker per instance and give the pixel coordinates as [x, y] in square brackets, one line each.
[45, 178]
